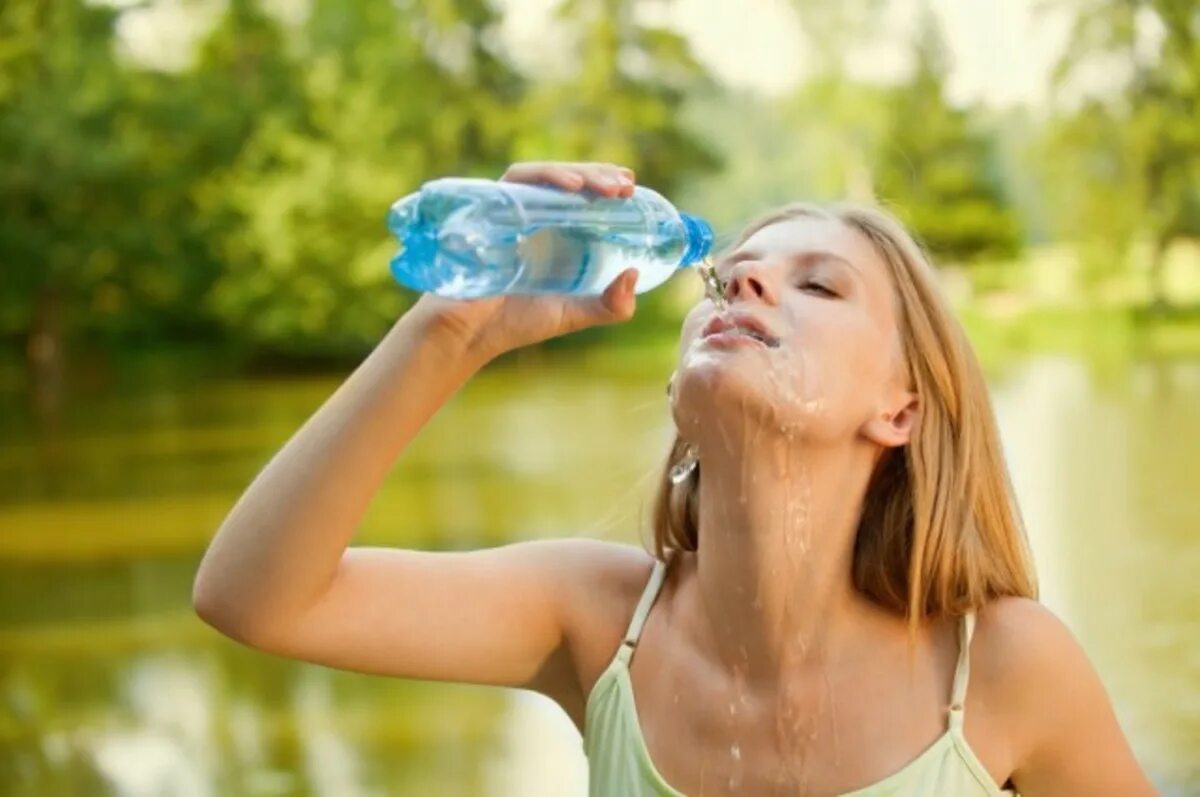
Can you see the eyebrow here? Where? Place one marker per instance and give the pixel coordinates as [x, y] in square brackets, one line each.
[810, 256]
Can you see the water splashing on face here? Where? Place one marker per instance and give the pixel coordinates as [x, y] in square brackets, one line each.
[713, 289]
[782, 427]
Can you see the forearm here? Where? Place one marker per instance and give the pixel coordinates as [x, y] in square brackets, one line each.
[281, 544]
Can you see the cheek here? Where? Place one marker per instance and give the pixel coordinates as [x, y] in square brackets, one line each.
[840, 375]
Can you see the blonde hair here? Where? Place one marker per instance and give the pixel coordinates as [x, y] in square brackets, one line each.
[940, 532]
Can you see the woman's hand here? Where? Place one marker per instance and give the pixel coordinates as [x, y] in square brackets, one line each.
[491, 326]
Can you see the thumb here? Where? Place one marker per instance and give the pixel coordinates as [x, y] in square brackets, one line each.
[618, 301]
[615, 304]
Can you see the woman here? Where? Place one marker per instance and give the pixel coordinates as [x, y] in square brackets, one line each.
[837, 552]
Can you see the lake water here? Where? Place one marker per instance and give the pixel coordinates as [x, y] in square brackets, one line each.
[110, 686]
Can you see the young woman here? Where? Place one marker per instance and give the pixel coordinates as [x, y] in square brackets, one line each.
[837, 550]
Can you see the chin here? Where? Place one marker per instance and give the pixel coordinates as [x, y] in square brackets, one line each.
[730, 394]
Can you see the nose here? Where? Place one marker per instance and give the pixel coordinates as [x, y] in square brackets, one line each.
[749, 278]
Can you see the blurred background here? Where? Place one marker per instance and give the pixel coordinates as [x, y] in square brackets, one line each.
[193, 256]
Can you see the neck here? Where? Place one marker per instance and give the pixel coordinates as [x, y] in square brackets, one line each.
[776, 545]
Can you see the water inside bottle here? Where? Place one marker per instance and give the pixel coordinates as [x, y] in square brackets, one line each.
[582, 261]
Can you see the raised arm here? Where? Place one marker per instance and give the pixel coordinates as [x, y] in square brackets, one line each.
[279, 575]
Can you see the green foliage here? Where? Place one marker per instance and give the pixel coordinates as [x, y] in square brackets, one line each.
[382, 101]
[938, 171]
[620, 103]
[90, 207]
[1128, 162]
[242, 197]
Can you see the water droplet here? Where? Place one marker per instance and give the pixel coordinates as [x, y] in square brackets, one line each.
[684, 468]
[735, 750]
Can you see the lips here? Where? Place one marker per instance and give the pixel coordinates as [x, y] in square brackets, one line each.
[740, 323]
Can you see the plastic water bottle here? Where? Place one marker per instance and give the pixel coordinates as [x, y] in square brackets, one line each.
[466, 238]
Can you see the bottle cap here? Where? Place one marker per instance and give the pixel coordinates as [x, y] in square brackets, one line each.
[418, 248]
[699, 239]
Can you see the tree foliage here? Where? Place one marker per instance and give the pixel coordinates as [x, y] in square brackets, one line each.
[242, 197]
[1133, 151]
[938, 170]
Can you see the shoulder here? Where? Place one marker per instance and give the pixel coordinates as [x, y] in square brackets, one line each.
[1022, 633]
[1025, 655]
[598, 584]
[597, 568]
[1050, 703]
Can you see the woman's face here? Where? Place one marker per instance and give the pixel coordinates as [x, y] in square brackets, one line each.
[809, 344]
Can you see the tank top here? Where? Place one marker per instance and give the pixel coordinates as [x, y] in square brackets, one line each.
[619, 763]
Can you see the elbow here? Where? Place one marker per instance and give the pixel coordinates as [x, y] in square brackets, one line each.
[207, 603]
[220, 610]
[239, 617]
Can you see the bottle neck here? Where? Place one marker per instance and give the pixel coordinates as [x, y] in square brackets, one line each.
[699, 237]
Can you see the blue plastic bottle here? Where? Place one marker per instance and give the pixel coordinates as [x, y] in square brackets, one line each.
[466, 238]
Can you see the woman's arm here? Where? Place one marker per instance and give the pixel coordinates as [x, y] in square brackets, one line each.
[278, 575]
[279, 550]
[1066, 736]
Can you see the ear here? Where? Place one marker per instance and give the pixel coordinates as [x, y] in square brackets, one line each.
[894, 427]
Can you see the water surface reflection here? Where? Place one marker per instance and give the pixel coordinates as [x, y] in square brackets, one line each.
[110, 686]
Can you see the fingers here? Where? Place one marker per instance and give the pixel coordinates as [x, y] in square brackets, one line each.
[619, 300]
[616, 304]
[606, 179]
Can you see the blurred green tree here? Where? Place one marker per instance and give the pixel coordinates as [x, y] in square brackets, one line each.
[937, 170]
[92, 204]
[240, 195]
[833, 113]
[1137, 148]
[388, 96]
[816, 142]
[620, 100]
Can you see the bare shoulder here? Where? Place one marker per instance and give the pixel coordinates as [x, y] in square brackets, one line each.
[1044, 693]
[1023, 654]
[601, 583]
[598, 572]
[1021, 635]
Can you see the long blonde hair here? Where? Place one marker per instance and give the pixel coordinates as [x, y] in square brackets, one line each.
[940, 532]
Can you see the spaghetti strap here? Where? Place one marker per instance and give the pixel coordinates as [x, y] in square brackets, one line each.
[642, 611]
[958, 695]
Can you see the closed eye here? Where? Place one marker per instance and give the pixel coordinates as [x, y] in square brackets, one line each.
[819, 287]
[807, 285]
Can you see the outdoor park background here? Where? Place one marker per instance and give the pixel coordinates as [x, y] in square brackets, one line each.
[193, 255]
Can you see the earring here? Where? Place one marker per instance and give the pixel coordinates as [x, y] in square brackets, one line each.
[684, 468]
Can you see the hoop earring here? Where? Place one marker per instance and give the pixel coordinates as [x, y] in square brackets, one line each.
[685, 467]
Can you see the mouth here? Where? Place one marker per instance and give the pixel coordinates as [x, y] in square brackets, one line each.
[731, 327]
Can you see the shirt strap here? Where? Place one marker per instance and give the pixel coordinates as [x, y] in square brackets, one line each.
[642, 611]
[958, 695]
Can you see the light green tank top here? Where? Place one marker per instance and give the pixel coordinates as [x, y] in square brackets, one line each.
[620, 766]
